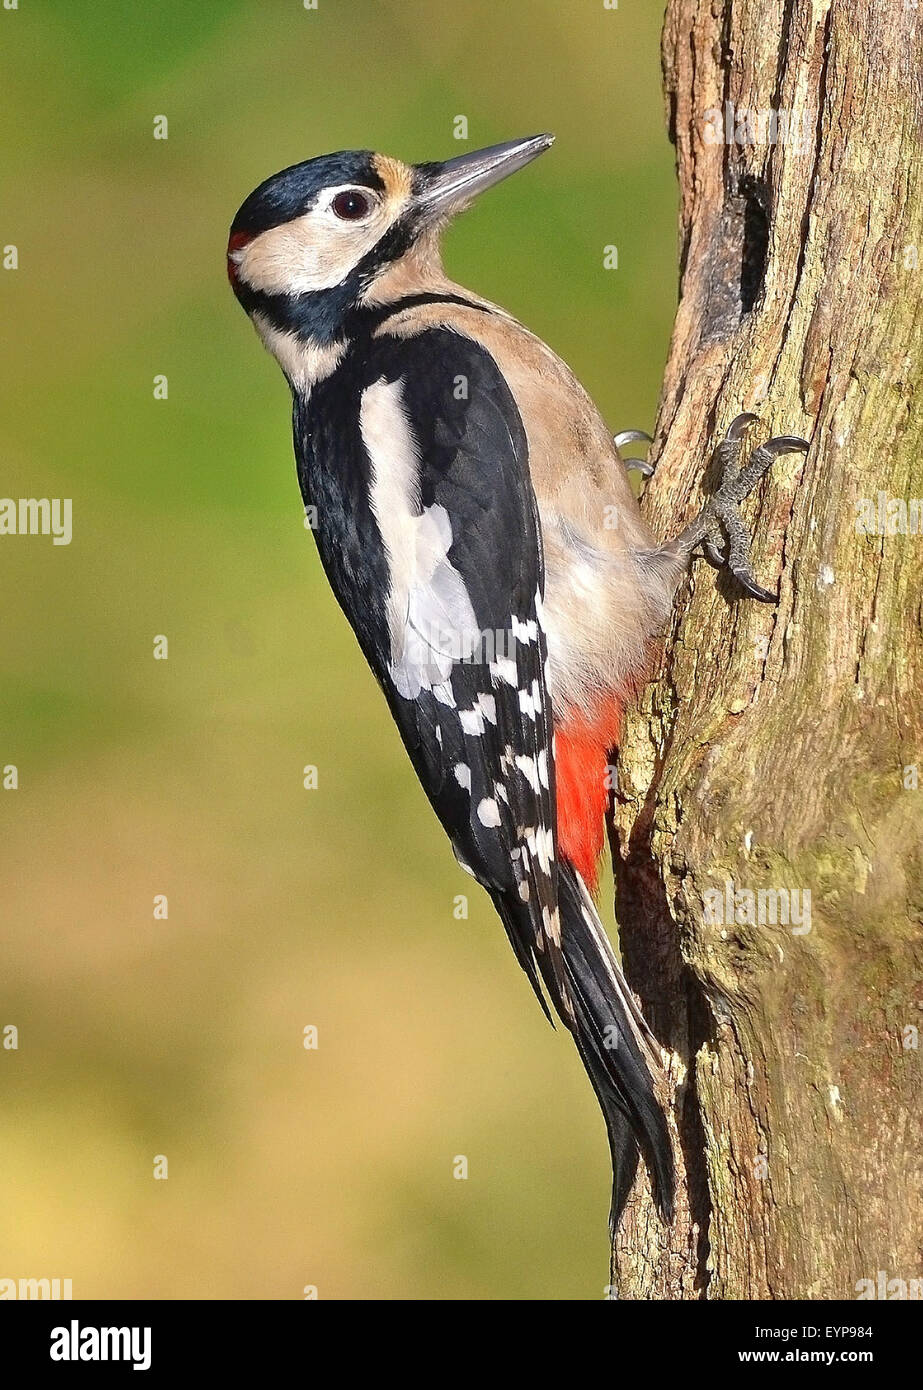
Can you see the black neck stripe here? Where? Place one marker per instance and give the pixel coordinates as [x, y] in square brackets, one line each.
[373, 316]
[323, 316]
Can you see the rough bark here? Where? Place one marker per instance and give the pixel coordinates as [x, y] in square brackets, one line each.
[771, 752]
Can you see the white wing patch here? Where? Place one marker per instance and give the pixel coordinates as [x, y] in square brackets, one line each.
[430, 616]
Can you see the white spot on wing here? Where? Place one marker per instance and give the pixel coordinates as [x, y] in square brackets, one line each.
[504, 669]
[524, 631]
[489, 812]
[472, 721]
[530, 701]
[541, 847]
[529, 771]
[488, 707]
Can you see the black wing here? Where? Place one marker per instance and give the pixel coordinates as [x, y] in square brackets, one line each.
[415, 456]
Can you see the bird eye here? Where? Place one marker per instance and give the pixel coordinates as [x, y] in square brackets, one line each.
[350, 204]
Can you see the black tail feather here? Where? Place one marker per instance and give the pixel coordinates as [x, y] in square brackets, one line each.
[612, 1036]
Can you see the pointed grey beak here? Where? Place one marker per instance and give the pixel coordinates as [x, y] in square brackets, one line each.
[444, 189]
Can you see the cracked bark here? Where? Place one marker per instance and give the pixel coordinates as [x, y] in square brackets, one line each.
[771, 751]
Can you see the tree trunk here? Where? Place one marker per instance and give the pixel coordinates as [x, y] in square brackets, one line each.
[777, 749]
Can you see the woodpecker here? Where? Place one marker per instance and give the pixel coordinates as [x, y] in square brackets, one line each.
[475, 521]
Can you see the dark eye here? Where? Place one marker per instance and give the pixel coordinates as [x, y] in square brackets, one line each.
[350, 204]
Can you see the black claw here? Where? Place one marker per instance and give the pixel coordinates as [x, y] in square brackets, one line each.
[784, 444]
[739, 425]
[747, 582]
[631, 437]
[639, 466]
[713, 552]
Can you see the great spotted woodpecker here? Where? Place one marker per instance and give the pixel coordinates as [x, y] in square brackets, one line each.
[477, 526]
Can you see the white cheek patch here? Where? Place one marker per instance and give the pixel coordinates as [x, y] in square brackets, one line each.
[431, 620]
[313, 252]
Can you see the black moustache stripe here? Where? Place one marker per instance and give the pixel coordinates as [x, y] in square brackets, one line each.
[322, 315]
[326, 316]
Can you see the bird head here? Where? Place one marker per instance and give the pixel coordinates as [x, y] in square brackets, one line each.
[315, 243]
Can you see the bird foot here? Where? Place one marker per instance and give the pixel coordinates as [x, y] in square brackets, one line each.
[719, 528]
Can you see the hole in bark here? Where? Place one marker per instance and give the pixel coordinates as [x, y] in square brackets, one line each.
[737, 263]
[755, 240]
[671, 117]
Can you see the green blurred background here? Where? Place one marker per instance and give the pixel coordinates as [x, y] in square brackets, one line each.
[287, 907]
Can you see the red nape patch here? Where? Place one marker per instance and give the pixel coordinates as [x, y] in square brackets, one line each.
[235, 242]
[582, 746]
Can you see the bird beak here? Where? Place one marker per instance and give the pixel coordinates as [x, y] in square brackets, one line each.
[444, 189]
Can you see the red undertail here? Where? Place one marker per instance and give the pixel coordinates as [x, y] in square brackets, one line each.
[582, 747]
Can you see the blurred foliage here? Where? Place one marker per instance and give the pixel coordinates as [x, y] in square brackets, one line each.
[287, 907]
